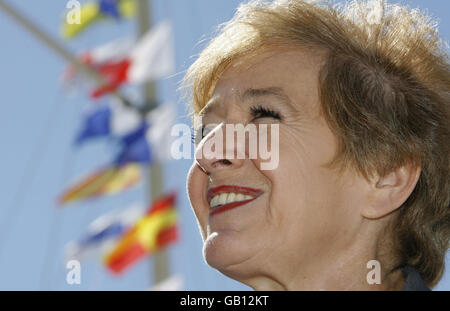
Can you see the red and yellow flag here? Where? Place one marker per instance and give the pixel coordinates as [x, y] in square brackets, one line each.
[104, 182]
[154, 231]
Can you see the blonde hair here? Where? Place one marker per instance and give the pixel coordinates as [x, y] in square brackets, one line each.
[384, 91]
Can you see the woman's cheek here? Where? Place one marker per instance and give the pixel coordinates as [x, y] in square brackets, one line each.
[196, 187]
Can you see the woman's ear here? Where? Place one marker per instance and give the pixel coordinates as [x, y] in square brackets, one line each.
[390, 191]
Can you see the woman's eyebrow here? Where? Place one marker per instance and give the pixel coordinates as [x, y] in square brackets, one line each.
[252, 93]
[277, 92]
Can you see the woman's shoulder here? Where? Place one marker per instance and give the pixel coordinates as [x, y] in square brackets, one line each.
[413, 280]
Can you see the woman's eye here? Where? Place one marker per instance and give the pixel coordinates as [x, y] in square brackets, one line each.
[263, 112]
[257, 112]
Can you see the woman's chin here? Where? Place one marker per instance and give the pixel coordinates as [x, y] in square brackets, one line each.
[224, 252]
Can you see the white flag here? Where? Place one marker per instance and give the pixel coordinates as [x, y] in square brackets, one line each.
[153, 56]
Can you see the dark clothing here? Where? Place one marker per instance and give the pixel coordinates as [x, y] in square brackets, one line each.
[413, 280]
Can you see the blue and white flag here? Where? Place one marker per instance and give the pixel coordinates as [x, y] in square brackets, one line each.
[113, 119]
[152, 140]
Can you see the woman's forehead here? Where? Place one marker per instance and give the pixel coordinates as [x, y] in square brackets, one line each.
[268, 68]
[277, 73]
[271, 56]
[290, 69]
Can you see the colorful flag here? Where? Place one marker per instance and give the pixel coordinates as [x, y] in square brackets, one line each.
[152, 140]
[113, 51]
[123, 61]
[102, 58]
[103, 231]
[96, 123]
[156, 230]
[95, 11]
[112, 119]
[115, 75]
[108, 181]
[152, 58]
[109, 8]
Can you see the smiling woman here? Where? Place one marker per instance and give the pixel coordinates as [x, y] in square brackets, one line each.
[357, 100]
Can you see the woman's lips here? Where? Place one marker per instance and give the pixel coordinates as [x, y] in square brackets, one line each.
[233, 189]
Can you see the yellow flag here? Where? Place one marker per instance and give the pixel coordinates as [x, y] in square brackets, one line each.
[91, 12]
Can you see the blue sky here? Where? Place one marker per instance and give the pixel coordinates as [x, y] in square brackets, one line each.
[38, 122]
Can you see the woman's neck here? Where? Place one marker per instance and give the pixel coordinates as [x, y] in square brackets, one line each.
[336, 269]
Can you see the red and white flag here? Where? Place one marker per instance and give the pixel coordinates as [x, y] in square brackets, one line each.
[122, 61]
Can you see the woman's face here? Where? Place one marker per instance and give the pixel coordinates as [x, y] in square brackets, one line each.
[297, 214]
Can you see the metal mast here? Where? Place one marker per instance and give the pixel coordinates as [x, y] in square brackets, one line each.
[160, 259]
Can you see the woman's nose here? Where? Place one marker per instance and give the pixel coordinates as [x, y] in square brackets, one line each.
[214, 153]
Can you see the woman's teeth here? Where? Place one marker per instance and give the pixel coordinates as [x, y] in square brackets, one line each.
[228, 197]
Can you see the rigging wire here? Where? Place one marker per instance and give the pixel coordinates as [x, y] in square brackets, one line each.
[58, 215]
[57, 221]
[69, 161]
[28, 175]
